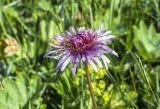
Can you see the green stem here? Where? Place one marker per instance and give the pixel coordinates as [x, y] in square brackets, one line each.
[90, 87]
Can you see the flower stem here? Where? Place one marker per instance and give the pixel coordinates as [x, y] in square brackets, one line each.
[90, 87]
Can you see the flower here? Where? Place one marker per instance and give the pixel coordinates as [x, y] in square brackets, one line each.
[82, 45]
[10, 46]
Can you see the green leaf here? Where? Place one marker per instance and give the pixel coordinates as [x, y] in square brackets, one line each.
[44, 5]
[11, 11]
[147, 42]
[21, 85]
[12, 89]
[3, 96]
[20, 93]
[36, 87]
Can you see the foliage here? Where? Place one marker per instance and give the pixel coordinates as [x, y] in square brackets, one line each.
[147, 42]
[30, 81]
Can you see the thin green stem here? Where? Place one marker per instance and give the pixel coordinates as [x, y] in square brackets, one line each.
[90, 87]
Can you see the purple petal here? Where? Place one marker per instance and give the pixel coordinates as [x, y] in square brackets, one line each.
[76, 58]
[93, 52]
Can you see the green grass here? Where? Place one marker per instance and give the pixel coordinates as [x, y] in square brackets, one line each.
[29, 81]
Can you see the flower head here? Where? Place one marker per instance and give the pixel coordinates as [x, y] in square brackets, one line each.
[85, 45]
[9, 46]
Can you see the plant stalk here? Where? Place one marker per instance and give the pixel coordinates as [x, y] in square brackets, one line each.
[90, 87]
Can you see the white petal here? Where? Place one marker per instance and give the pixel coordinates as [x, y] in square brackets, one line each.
[106, 33]
[106, 38]
[105, 63]
[100, 28]
[60, 38]
[93, 65]
[58, 56]
[52, 51]
[90, 31]
[109, 50]
[74, 68]
[98, 61]
[74, 30]
[106, 59]
[81, 29]
[66, 62]
[83, 58]
[55, 46]
[61, 61]
[77, 58]
[113, 52]
[98, 31]
[68, 33]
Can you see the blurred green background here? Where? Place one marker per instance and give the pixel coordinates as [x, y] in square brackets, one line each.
[29, 81]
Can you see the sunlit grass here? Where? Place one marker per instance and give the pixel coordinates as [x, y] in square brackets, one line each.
[30, 81]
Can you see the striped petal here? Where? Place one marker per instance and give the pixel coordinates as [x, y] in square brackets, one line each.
[59, 38]
[52, 51]
[74, 30]
[75, 60]
[74, 68]
[105, 38]
[66, 62]
[105, 63]
[105, 33]
[93, 65]
[56, 46]
[60, 55]
[106, 59]
[97, 61]
[113, 52]
[83, 58]
[56, 57]
[110, 50]
[81, 29]
[100, 28]
[62, 61]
